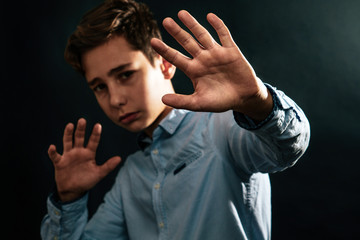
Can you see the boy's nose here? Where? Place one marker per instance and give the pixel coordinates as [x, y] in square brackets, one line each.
[117, 99]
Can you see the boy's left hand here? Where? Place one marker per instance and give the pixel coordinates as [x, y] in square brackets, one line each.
[222, 77]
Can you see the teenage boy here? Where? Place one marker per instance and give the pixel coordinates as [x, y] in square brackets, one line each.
[201, 173]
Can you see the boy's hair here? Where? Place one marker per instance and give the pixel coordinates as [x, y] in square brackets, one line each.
[126, 18]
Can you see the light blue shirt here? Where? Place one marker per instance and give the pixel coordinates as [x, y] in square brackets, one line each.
[202, 176]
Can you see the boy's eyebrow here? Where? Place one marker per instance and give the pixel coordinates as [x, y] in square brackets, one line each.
[118, 69]
[110, 73]
[93, 82]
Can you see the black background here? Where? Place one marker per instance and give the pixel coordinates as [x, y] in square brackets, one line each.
[309, 49]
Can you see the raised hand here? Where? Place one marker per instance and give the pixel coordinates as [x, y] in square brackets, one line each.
[222, 77]
[76, 170]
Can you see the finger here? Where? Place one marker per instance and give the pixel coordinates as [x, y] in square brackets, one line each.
[94, 138]
[53, 154]
[201, 34]
[182, 37]
[109, 166]
[80, 133]
[180, 101]
[170, 54]
[221, 29]
[68, 137]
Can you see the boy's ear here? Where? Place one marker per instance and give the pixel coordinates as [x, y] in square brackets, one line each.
[167, 68]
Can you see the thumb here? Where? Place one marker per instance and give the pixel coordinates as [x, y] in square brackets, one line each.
[109, 166]
[53, 154]
[180, 101]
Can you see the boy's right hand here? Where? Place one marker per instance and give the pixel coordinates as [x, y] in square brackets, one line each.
[76, 170]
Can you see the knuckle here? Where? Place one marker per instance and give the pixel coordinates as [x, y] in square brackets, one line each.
[186, 41]
[201, 35]
[174, 57]
[177, 32]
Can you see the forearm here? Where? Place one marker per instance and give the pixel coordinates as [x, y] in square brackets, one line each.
[64, 221]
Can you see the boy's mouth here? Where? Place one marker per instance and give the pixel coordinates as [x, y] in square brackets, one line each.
[128, 117]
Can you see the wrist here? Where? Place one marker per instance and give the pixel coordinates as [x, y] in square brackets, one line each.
[65, 196]
[58, 202]
[258, 107]
[69, 197]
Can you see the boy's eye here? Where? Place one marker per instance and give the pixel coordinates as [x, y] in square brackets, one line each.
[125, 75]
[99, 87]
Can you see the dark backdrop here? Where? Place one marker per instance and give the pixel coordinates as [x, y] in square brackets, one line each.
[309, 49]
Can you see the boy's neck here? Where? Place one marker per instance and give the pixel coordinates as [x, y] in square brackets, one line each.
[149, 130]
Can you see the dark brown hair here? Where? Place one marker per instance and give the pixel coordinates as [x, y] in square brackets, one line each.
[126, 18]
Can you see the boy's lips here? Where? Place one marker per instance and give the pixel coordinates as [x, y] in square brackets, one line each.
[128, 117]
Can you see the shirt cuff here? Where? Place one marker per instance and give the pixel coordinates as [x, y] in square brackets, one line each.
[247, 123]
[66, 211]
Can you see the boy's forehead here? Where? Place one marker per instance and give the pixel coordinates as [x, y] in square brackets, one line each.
[111, 54]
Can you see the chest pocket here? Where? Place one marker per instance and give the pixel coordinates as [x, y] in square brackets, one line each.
[185, 162]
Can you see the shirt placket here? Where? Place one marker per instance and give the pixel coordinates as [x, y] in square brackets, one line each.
[157, 188]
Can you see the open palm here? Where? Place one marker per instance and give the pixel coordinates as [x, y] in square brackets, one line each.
[222, 77]
[76, 170]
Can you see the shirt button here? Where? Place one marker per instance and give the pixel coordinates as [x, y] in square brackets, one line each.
[57, 213]
[161, 225]
[155, 151]
[157, 186]
[56, 238]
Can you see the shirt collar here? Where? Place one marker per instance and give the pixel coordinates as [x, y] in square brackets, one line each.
[169, 124]
[172, 121]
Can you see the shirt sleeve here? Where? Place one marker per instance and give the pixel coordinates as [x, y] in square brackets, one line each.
[70, 220]
[109, 222]
[270, 146]
[64, 221]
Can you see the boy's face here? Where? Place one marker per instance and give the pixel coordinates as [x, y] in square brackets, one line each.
[127, 86]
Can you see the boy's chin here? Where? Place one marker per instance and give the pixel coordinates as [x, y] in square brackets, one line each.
[132, 129]
[135, 128]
